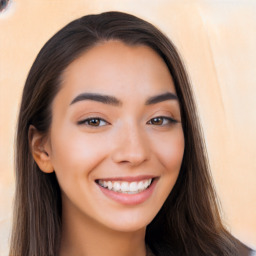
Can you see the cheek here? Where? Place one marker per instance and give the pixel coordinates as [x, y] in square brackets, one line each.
[74, 153]
[169, 150]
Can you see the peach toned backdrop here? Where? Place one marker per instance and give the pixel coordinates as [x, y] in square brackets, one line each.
[217, 40]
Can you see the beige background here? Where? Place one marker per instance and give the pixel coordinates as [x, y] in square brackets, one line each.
[217, 40]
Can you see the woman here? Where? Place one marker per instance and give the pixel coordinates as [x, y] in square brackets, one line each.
[110, 158]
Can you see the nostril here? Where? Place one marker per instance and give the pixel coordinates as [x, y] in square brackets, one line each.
[3, 4]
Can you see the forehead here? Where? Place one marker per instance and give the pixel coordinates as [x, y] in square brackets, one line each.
[116, 68]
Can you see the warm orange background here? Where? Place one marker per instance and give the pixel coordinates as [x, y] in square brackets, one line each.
[217, 40]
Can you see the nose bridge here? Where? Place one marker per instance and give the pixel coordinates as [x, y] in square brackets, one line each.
[131, 144]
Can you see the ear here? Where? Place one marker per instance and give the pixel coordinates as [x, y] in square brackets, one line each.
[40, 149]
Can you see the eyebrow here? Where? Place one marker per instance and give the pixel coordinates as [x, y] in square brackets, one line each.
[110, 100]
[160, 98]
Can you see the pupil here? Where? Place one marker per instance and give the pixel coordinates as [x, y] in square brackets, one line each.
[157, 120]
[94, 122]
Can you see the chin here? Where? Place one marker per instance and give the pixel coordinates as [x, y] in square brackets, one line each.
[129, 222]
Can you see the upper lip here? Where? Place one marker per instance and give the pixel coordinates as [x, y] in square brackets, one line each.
[128, 178]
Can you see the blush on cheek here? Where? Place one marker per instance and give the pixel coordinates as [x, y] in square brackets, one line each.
[171, 154]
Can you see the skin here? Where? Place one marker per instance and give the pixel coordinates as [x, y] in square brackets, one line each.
[127, 142]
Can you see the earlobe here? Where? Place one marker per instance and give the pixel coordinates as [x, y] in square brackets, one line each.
[39, 146]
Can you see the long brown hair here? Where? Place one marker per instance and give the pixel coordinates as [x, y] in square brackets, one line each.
[189, 222]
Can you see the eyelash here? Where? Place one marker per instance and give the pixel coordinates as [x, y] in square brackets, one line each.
[169, 120]
[86, 121]
[165, 119]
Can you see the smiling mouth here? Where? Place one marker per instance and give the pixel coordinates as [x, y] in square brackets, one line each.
[126, 187]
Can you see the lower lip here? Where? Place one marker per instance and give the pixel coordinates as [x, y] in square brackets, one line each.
[130, 199]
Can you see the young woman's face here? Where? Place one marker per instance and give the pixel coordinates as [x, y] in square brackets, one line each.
[116, 140]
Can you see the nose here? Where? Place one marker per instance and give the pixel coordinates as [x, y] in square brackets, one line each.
[131, 146]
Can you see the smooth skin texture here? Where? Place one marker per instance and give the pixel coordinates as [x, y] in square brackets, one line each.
[124, 137]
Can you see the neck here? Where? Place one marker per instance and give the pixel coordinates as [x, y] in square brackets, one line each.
[83, 236]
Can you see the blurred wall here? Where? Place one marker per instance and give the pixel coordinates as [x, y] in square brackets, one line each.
[217, 40]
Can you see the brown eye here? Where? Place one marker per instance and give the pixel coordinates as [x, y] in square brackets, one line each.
[96, 122]
[157, 121]
[161, 121]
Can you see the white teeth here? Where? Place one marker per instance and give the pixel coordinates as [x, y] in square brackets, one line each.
[110, 185]
[126, 187]
[140, 185]
[116, 186]
[134, 186]
[146, 183]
